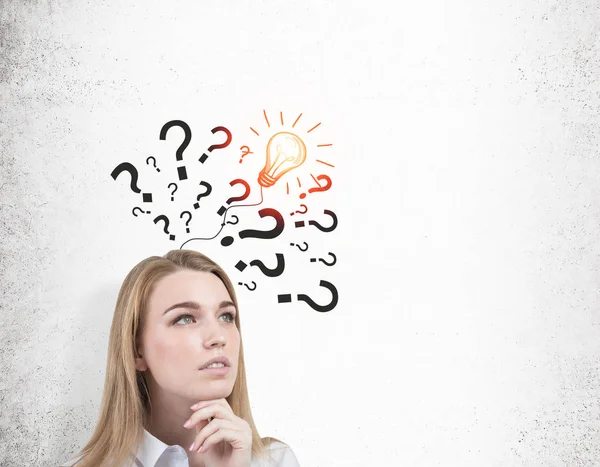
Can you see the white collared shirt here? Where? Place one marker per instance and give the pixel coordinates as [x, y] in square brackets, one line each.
[154, 453]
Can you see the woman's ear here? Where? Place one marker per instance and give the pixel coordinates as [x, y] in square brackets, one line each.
[140, 364]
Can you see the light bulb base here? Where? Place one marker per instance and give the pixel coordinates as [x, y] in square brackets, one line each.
[266, 180]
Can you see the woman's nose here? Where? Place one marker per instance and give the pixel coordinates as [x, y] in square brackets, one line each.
[214, 334]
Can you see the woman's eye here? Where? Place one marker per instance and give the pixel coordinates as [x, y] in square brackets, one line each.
[230, 314]
[179, 318]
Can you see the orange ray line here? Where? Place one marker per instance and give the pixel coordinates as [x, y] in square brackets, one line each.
[322, 145]
[287, 186]
[316, 181]
[314, 127]
[268, 124]
[281, 116]
[299, 184]
[297, 120]
[325, 163]
[254, 131]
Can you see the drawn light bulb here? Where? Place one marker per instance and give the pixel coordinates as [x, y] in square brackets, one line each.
[285, 151]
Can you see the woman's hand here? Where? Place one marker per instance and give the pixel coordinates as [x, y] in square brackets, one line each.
[226, 440]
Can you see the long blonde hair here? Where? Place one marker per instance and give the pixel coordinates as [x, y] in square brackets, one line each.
[125, 399]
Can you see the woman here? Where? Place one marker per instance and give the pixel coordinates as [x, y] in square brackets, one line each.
[174, 315]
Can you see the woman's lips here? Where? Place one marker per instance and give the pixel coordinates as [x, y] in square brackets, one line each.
[216, 371]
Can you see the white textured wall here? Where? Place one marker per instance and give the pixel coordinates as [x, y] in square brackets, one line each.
[466, 182]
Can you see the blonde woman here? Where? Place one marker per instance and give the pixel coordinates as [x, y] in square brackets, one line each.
[165, 404]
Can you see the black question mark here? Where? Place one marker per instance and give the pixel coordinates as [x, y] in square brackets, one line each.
[153, 162]
[187, 230]
[319, 226]
[237, 219]
[276, 271]
[313, 260]
[181, 172]
[164, 218]
[266, 234]
[305, 248]
[173, 193]
[287, 298]
[127, 167]
[141, 211]
[240, 283]
[203, 195]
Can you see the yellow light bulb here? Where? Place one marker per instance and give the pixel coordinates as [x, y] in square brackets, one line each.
[285, 151]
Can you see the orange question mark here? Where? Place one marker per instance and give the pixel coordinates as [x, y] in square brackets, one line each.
[319, 188]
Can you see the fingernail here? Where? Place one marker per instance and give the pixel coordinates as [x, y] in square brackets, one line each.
[188, 423]
[192, 446]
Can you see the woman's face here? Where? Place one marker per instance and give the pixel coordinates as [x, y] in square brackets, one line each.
[189, 320]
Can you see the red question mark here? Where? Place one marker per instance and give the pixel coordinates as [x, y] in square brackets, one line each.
[217, 146]
[320, 188]
[237, 181]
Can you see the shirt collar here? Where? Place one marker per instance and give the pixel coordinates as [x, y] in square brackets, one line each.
[151, 448]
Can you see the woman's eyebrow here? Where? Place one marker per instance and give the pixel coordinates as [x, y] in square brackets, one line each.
[197, 306]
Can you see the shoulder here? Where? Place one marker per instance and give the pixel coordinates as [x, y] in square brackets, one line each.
[281, 455]
[275, 445]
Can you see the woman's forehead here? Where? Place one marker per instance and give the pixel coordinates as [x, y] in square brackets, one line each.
[203, 287]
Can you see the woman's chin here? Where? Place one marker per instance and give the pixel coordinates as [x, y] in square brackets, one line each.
[220, 390]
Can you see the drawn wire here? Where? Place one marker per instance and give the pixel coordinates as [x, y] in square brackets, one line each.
[225, 218]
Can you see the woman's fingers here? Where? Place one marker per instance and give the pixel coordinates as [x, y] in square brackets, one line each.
[221, 435]
[214, 410]
[238, 439]
[209, 430]
[217, 425]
